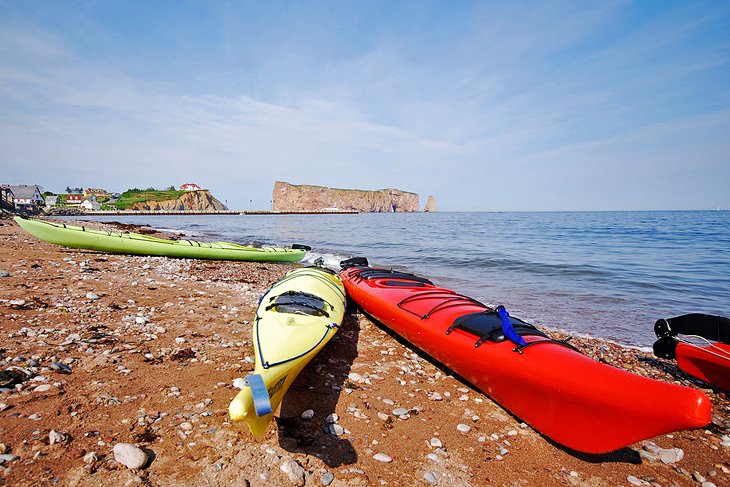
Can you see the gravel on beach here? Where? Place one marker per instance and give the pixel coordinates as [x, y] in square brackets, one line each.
[118, 370]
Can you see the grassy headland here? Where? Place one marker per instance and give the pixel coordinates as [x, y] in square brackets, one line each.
[132, 196]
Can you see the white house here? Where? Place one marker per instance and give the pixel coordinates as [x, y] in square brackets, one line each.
[91, 204]
[190, 187]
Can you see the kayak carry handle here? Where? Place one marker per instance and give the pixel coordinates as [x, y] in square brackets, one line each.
[260, 395]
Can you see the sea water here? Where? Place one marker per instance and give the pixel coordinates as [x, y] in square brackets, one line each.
[604, 274]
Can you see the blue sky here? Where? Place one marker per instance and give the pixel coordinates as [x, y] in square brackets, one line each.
[611, 105]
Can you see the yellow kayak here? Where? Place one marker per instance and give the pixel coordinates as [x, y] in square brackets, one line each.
[294, 321]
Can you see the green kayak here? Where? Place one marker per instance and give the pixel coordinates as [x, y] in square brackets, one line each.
[135, 243]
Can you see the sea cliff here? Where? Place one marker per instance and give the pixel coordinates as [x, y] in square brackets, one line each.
[290, 197]
[190, 200]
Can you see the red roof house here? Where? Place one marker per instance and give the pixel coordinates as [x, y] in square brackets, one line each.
[74, 199]
[190, 187]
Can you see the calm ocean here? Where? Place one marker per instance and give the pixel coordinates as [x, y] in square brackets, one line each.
[605, 274]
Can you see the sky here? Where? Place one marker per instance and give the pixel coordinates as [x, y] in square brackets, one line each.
[488, 106]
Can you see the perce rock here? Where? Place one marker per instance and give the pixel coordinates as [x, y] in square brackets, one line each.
[290, 197]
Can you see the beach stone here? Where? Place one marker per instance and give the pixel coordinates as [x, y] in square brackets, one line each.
[239, 383]
[355, 377]
[464, 428]
[4, 273]
[400, 411]
[327, 478]
[293, 471]
[382, 457]
[671, 455]
[332, 418]
[431, 478]
[55, 437]
[43, 388]
[648, 456]
[8, 457]
[652, 448]
[634, 480]
[129, 455]
[436, 443]
[308, 414]
[60, 368]
[337, 430]
[90, 457]
[92, 296]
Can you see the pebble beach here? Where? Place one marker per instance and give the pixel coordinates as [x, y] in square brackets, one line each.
[118, 370]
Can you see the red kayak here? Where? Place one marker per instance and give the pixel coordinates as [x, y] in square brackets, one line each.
[709, 362]
[572, 399]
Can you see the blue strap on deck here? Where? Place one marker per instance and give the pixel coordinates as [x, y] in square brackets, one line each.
[260, 395]
[507, 328]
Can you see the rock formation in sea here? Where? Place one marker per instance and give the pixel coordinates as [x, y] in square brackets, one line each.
[191, 200]
[430, 205]
[290, 197]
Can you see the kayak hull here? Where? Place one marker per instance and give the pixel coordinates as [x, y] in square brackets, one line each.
[572, 399]
[285, 342]
[708, 363]
[138, 244]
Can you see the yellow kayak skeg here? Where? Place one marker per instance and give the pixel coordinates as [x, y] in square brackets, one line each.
[295, 319]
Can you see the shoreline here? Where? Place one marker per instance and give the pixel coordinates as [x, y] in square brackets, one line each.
[153, 345]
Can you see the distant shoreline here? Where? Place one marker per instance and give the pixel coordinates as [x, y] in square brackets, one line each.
[200, 212]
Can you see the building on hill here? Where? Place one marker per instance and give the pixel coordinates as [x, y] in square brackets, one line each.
[91, 204]
[7, 198]
[95, 191]
[27, 198]
[190, 187]
[73, 200]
